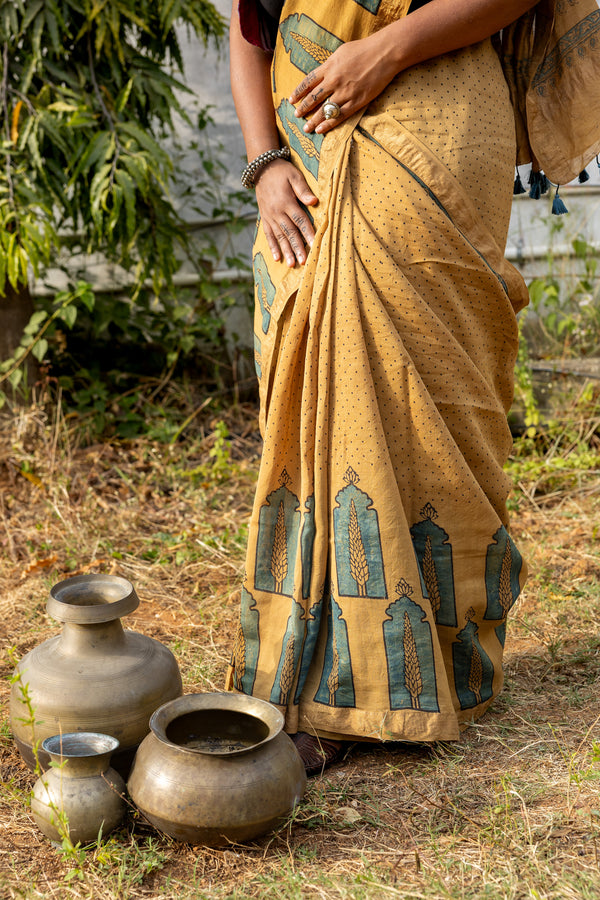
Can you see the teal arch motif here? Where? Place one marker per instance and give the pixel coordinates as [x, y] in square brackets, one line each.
[307, 539]
[371, 6]
[473, 669]
[337, 684]
[291, 649]
[277, 544]
[246, 653]
[501, 632]
[434, 557]
[307, 146]
[308, 44]
[502, 569]
[257, 355]
[358, 555]
[312, 626]
[409, 653]
[264, 289]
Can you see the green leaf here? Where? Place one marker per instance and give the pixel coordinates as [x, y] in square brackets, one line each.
[124, 96]
[144, 139]
[85, 293]
[129, 193]
[61, 106]
[39, 349]
[15, 378]
[100, 148]
[33, 326]
[34, 9]
[69, 315]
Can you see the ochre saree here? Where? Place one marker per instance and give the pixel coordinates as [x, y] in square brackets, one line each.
[380, 570]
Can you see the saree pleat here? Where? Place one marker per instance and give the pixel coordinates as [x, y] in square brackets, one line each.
[380, 569]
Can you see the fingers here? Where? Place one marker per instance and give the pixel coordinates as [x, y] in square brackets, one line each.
[314, 98]
[282, 193]
[351, 77]
[310, 97]
[284, 239]
[321, 124]
[310, 84]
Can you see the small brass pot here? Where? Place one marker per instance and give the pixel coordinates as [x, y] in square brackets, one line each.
[216, 768]
[81, 794]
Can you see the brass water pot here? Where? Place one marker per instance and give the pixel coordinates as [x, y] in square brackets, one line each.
[94, 676]
[81, 795]
[216, 768]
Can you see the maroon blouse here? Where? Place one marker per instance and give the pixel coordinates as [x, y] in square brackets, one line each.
[259, 21]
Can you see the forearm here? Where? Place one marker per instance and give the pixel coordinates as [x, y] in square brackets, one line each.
[441, 26]
[359, 71]
[251, 89]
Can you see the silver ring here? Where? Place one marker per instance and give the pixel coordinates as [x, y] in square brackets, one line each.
[331, 109]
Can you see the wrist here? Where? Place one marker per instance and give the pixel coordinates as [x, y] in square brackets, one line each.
[393, 47]
[256, 165]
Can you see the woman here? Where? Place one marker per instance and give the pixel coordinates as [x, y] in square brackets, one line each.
[381, 138]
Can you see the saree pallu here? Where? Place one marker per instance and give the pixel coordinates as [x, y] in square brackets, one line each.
[380, 570]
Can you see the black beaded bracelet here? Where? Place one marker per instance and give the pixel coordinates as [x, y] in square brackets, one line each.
[252, 168]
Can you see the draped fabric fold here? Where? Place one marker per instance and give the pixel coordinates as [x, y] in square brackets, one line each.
[551, 60]
[380, 569]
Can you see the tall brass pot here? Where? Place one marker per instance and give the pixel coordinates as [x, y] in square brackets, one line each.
[216, 768]
[94, 676]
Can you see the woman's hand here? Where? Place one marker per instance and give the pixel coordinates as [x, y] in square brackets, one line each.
[359, 71]
[280, 192]
[354, 74]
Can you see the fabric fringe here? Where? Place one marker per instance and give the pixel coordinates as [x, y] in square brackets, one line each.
[538, 185]
[558, 207]
[518, 186]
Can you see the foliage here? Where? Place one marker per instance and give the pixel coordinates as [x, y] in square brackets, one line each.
[87, 92]
[562, 322]
[561, 453]
[524, 393]
[567, 303]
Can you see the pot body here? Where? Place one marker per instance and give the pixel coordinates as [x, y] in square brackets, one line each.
[216, 768]
[94, 676]
[82, 794]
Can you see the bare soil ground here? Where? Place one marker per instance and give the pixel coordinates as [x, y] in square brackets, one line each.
[510, 811]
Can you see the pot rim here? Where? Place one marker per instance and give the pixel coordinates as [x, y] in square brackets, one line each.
[117, 598]
[80, 744]
[243, 703]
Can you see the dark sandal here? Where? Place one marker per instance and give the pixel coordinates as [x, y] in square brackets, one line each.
[317, 753]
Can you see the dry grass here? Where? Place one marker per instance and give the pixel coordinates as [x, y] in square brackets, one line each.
[512, 811]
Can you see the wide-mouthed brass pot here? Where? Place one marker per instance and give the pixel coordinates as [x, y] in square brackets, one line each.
[94, 676]
[216, 768]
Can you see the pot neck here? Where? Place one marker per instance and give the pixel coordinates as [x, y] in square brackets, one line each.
[100, 639]
[81, 766]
